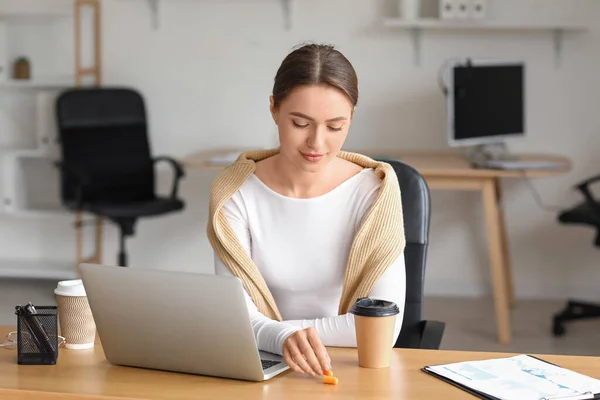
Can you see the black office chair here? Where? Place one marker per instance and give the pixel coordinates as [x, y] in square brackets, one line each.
[416, 206]
[107, 168]
[585, 213]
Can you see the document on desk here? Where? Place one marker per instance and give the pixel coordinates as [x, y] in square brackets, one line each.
[520, 377]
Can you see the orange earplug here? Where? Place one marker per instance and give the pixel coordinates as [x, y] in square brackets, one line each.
[331, 380]
[328, 373]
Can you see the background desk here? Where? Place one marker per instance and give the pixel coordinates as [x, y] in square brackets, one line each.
[449, 171]
[87, 373]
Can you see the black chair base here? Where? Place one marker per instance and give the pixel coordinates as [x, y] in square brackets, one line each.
[125, 229]
[575, 310]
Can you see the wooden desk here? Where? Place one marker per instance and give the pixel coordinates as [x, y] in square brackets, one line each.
[82, 373]
[449, 171]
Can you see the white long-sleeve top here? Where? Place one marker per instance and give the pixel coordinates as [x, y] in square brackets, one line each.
[301, 247]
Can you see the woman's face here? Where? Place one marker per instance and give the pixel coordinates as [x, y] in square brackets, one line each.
[313, 124]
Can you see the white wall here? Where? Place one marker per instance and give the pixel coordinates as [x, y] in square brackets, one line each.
[207, 74]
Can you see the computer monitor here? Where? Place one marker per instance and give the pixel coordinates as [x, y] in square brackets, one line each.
[485, 102]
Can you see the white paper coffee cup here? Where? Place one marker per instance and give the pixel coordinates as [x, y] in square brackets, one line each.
[70, 288]
[77, 324]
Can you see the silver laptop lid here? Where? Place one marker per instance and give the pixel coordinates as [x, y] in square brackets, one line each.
[175, 321]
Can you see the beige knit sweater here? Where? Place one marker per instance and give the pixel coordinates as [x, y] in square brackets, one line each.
[377, 244]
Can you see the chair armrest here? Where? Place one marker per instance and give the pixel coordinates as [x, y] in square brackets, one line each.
[583, 187]
[178, 170]
[431, 334]
[588, 181]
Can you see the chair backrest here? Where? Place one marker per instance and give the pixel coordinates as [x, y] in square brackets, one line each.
[103, 131]
[416, 205]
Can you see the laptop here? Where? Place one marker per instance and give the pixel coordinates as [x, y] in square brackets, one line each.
[176, 321]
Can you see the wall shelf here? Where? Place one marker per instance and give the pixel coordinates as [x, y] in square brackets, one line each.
[479, 25]
[416, 27]
[286, 6]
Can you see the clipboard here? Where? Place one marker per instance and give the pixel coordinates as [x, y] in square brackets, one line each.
[484, 396]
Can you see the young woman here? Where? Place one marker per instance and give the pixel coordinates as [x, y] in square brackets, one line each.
[309, 228]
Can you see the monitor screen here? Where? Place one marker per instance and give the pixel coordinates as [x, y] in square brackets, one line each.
[487, 102]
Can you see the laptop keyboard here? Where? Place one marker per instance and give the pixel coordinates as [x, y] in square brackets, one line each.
[268, 363]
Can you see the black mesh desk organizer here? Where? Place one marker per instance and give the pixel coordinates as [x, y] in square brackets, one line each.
[37, 335]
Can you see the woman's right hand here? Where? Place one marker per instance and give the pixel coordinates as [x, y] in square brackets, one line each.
[304, 352]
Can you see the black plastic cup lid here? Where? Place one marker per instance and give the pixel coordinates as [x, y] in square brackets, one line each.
[366, 307]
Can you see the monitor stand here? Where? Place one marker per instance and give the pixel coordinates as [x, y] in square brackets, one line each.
[481, 155]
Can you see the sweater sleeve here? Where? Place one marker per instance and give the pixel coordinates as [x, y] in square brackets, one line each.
[339, 331]
[270, 334]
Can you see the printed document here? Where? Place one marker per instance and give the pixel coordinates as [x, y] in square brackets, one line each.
[520, 378]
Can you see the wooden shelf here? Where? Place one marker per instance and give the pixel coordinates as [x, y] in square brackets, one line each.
[415, 27]
[37, 269]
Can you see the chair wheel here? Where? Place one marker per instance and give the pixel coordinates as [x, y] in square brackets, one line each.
[557, 328]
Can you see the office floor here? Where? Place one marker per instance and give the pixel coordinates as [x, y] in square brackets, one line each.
[470, 326]
[469, 322]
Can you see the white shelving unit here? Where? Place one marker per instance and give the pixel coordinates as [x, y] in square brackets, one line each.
[29, 181]
[31, 185]
[416, 27]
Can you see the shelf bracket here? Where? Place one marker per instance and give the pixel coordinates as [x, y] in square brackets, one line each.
[416, 43]
[153, 4]
[286, 6]
[558, 46]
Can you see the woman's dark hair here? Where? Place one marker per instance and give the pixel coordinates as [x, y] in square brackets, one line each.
[314, 64]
